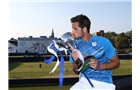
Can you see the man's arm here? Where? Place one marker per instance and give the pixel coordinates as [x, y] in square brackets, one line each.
[113, 64]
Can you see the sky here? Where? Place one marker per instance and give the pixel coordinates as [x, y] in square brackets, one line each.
[38, 18]
[116, 12]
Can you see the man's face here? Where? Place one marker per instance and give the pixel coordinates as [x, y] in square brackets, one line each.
[77, 31]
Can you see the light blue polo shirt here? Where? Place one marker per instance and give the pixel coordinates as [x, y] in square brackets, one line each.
[103, 50]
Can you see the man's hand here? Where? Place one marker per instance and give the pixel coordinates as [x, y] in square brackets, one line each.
[93, 64]
[77, 62]
[75, 54]
[75, 68]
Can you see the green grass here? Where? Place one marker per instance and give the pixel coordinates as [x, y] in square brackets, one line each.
[32, 70]
[24, 70]
[124, 69]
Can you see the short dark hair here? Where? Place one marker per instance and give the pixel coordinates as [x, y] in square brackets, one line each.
[83, 21]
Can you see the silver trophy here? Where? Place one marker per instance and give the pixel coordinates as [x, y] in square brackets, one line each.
[68, 42]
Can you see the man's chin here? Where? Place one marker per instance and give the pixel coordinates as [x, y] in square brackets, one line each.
[76, 37]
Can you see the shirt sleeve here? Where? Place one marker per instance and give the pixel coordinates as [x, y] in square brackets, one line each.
[109, 49]
[71, 59]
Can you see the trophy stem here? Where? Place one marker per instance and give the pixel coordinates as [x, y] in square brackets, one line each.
[70, 46]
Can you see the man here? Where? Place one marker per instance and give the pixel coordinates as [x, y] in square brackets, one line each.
[99, 74]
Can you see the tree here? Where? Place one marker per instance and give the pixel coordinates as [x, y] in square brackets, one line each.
[111, 36]
[12, 38]
[122, 41]
[129, 35]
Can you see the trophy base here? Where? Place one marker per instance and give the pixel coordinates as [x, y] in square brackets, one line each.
[85, 66]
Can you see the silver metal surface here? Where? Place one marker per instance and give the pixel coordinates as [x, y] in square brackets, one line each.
[66, 41]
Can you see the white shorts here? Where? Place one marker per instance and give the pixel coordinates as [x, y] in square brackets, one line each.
[83, 84]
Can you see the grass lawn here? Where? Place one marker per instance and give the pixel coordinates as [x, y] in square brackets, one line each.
[21, 70]
[124, 69]
[18, 70]
[33, 70]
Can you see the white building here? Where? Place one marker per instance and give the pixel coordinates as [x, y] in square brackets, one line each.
[31, 44]
[12, 46]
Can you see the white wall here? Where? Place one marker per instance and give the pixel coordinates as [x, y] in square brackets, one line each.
[33, 46]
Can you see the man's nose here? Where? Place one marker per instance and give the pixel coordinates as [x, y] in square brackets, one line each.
[72, 31]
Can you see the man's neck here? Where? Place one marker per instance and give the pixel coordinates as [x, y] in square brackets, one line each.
[86, 37]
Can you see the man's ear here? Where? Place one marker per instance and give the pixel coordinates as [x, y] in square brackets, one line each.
[85, 29]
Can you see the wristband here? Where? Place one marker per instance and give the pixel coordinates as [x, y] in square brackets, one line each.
[99, 67]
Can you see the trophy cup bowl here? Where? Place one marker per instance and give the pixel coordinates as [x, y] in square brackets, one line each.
[66, 41]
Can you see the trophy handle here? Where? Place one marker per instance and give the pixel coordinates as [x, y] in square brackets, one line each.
[70, 46]
[78, 63]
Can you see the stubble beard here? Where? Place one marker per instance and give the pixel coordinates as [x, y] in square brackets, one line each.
[82, 34]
